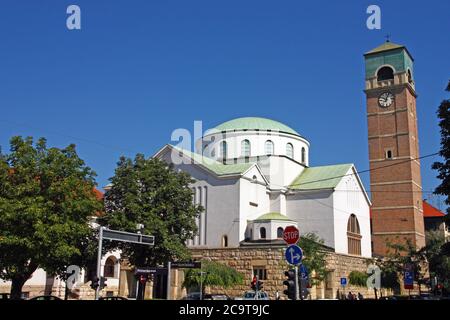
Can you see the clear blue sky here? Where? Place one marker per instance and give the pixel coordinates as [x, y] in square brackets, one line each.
[140, 69]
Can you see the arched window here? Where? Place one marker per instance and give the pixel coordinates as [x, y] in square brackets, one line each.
[269, 147]
[245, 148]
[225, 241]
[303, 155]
[262, 233]
[223, 149]
[109, 271]
[385, 73]
[353, 236]
[409, 76]
[280, 233]
[290, 150]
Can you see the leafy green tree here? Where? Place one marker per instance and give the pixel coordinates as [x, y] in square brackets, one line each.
[393, 264]
[150, 192]
[212, 274]
[314, 257]
[443, 167]
[438, 263]
[46, 199]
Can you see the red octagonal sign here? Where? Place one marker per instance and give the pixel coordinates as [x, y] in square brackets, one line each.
[291, 235]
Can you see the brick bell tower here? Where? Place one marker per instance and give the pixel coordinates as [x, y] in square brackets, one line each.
[395, 183]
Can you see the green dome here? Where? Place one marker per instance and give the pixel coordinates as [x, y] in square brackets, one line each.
[254, 123]
[273, 216]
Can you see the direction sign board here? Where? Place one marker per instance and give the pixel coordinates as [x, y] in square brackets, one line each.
[294, 254]
[149, 270]
[128, 237]
[343, 282]
[186, 264]
[291, 235]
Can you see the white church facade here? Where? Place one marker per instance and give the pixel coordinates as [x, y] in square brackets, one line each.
[253, 178]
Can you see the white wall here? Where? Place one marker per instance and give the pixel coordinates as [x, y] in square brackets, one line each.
[257, 140]
[349, 199]
[313, 212]
[221, 201]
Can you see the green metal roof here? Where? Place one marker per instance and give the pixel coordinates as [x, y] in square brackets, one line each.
[217, 167]
[255, 123]
[385, 47]
[324, 177]
[272, 216]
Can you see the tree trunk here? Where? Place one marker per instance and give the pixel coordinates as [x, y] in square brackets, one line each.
[16, 288]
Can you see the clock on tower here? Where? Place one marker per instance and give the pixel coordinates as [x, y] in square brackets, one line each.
[395, 181]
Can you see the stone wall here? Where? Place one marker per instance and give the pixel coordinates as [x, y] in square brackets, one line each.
[245, 259]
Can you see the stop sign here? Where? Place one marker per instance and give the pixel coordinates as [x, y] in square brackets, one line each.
[291, 235]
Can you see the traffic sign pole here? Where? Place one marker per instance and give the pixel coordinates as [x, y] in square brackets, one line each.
[168, 280]
[296, 283]
[99, 260]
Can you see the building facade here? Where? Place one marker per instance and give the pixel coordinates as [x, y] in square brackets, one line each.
[395, 182]
[253, 178]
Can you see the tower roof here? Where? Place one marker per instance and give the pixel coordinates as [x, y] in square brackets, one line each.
[387, 46]
[255, 123]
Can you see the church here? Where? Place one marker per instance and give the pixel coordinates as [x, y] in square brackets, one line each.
[253, 178]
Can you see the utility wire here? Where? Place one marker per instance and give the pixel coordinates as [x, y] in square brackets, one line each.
[368, 170]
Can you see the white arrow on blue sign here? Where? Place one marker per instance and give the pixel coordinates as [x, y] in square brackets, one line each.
[294, 254]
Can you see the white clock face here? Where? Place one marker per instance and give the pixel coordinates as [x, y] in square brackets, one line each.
[385, 99]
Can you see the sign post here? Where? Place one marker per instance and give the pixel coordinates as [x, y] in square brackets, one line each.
[122, 236]
[291, 235]
[294, 255]
[343, 284]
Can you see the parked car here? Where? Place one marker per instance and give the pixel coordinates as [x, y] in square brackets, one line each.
[45, 298]
[113, 298]
[192, 296]
[251, 295]
[216, 297]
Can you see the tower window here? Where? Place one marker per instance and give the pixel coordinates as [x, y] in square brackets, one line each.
[385, 73]
[245, 148]
[290, 150]
[262, 233]
[269, 147]
[409, 76]
[303, 155]
[389, 154]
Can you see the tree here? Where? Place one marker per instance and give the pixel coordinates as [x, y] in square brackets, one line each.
[46, 199]
[438, 263]
[313, 257]
[443, 167]
[212, 274]
[151, 193]
[392, 266]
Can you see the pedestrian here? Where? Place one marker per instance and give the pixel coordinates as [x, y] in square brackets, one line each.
[277, 295]
[360, 296]
[350, 295]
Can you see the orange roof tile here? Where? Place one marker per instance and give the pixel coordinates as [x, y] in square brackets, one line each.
[430, 212]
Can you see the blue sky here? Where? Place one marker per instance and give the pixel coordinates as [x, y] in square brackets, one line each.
[137, 70]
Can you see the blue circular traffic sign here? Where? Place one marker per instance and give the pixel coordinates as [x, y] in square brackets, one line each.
[294, 254]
